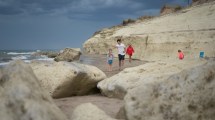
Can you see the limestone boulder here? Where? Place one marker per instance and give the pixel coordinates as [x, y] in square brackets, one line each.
[21, 96]
[88, 111]
[68, 54]
[187, 95]
[64, 79]
[118, 85]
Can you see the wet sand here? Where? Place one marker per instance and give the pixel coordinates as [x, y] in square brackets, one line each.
[110, 106]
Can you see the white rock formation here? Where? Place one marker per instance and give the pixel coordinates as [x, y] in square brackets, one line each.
[22, 98]
[188, 95]
[118, 85]
[64, 79]
[69, 54]
[192, 30]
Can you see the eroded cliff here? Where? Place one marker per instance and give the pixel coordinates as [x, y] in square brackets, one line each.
[192, 30]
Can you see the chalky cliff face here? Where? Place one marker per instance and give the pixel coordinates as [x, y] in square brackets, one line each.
[192, 30]
[197, 2]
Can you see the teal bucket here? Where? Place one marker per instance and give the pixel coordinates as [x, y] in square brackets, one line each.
[201, 54]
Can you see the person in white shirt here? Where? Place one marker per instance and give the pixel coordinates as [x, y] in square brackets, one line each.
[121, 52]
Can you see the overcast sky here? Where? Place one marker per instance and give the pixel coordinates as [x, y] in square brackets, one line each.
[56, 24]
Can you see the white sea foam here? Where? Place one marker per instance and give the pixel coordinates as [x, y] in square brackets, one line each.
[26, 56]
[20, 53]
[4, 63]
[45, 59]
[19, 58]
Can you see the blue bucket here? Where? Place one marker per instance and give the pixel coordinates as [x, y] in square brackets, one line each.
[201, 54]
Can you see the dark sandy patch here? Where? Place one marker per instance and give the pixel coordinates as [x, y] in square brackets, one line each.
[109, 105]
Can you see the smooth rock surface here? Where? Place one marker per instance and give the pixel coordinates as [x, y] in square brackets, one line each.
[21, 96]
[64, 79]
[187, 95]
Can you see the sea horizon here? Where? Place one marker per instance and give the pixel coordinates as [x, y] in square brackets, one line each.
[26, 55]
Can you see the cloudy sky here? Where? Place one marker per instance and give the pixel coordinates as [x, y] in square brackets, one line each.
[56, 24]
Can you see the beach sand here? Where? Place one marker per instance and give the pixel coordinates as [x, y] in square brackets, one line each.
[100, 62]
[110, 106]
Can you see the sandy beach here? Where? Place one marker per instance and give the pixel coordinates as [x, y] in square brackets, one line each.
[100, 62]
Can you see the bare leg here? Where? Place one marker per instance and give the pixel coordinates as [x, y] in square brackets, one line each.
[129, 58]
[120, 64]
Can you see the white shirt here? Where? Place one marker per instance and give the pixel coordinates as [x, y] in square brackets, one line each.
[121, 49]
[110, 57]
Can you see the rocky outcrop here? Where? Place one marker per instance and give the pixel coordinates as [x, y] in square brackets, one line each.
[64, 79]
[167, 9]
[145, 18]
[22, 98]
[89, 111]
[68, 54]
[192, 30]
[128, 21]
[118, 85]
[188, 95]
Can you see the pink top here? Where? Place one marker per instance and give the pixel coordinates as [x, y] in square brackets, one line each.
[181, 55]
[130, 50]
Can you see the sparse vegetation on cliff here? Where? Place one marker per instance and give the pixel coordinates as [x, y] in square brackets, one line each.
[166, 9]
[128, 21]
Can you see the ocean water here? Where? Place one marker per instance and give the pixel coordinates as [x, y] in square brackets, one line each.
[26, 55]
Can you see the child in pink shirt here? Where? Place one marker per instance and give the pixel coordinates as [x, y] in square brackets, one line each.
[130, 51]
[180, 55]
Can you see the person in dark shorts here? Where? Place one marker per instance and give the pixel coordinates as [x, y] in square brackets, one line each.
[121, 52]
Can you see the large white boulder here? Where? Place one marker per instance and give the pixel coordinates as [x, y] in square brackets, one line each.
[64, 79]
[188, 95]
[118, 85]
[69, 54]
[22, 98]
[88, 111]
